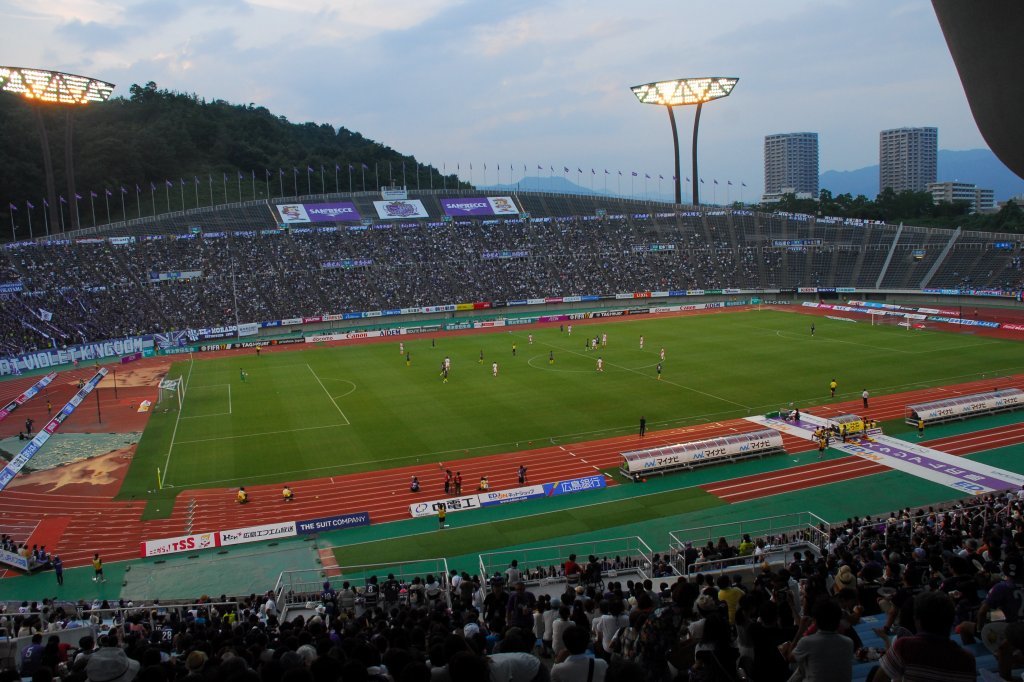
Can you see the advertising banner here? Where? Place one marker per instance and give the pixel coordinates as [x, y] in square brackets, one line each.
[11, 287]
[28, 452]
[493, 497]
[13, 559]
[130, 358]
[332, 523]
[238, 536]
[167, 340]
[333, 212]
[27, 395]
[249, 329]
[578, 485]
[452, 504]
[479, 206]
[409, 208]
[184, 543]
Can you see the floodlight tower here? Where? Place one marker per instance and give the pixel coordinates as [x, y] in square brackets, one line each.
[58, 89]
[682, 92]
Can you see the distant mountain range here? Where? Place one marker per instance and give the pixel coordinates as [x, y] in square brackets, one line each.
[977, 166]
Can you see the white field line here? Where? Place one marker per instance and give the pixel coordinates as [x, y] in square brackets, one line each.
[215, 414]
[328, 394]
[177, 420]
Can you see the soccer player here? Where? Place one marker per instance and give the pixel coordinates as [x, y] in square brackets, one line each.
[513, 350]
[641, 342]
[97, 567]
[257, 351]
[662, 354]
[408, 358]
[604, 339]
[569, 329]
[593, 344]
[447, 481]
[458, 482]
[832, 386]
[530, 338]
[447, 362]
[481, 360]
[551, 357]
[401, 347]
[286, 494]
[494, 369]
[812, 329]
[49, 406]
[241, 374]
[659, 371]
[600, 364]
[522, 474]
[444, 375]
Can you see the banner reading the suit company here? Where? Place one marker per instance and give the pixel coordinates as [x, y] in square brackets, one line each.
[465, 206]
[408, 208]
[332, 212]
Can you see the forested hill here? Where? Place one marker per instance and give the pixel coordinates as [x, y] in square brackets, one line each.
[155, 136]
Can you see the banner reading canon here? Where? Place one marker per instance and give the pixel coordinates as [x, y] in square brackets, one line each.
[333, 212]
[409, 208]
[465, 206]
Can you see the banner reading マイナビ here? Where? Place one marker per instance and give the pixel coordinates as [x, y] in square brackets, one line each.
[333, 212]
[479, 206]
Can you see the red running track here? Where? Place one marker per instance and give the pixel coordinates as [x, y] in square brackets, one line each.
[115, 529]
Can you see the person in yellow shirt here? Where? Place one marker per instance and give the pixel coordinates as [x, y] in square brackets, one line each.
[832, 386]
[286, 494]
[242, 497]
[746, 546]
[730, 595]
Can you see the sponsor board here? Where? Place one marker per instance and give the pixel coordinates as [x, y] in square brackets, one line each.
[13, 559]
[249, 329]
[27, 395]
[451, 504]
[238, 536]
[392, 210]
[327, 523]
[493, 497]
[1014, 327]
[577, 485]
[130, 358]
[488, 324]
[183, 543]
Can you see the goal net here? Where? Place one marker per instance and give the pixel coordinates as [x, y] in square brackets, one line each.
[171, 395]
[905, 323]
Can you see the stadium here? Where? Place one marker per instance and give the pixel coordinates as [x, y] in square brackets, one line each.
[393, 434]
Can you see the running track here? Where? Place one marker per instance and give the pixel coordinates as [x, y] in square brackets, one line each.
[77, 525]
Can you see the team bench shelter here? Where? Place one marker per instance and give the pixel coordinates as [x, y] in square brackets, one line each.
[638, 464]
[951, 409]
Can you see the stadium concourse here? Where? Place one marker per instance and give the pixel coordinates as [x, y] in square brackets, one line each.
[88, 520]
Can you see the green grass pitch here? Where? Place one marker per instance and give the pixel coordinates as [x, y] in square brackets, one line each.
[336, 410]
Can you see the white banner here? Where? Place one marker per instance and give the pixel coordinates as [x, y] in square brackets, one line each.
[396, 210]
[238, 536]
[452, 504]
[293, 213]
[492, 497]
[249, 329]
[184, 543]
[503, 205]
[489, 323]
[12, 559]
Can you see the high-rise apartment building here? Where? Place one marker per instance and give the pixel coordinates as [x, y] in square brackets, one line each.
[978, 198]
[907, 158]
[791, 163]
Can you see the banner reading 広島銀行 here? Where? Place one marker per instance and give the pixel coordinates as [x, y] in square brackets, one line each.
[479, 206]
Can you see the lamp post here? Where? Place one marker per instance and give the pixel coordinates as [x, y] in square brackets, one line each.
[685, 91]
[45, 88]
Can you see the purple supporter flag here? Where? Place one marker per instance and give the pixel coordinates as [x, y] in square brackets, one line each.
[78, 197]
[108, 192]
[93, 194]
[30, 205]
[10, 204]
[63, 200]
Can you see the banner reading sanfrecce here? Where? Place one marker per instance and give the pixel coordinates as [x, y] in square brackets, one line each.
[34, 445]
[26, 396]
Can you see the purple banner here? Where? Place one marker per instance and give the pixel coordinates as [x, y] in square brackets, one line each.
[130, 358]
[476, 206]
[332, 212]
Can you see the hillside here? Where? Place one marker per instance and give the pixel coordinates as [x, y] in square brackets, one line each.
[156, 136]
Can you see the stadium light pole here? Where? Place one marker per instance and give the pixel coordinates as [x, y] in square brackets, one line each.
[681, 92]
[43, 88]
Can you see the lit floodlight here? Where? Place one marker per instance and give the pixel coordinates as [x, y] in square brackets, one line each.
[682, 92]
[53, 86]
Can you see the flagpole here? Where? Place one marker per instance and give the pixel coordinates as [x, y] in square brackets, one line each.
[336, 168]
[29, 211]
[253, 173]
[152, 195]
[138, 203]
[78, 218]
[239, 186]
[181, 181]
[196, 178]
[92, 206]
[167, 193]
[46, 218]
[106, 198]
[210, 178]
[61, 207]
[350, 178]
[13, 238]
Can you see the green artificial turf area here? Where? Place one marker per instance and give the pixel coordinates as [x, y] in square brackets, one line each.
[335, 410]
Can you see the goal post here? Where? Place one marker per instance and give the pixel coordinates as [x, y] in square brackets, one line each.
[171, 395]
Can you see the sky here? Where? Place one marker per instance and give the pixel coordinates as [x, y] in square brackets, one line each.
[528, 82]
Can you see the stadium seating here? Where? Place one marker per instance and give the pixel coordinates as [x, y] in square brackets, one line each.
[249, 271]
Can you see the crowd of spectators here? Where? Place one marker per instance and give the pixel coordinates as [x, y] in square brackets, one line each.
[919, 572]
[97, 289]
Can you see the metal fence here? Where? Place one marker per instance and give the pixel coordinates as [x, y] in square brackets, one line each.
[298, 587]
